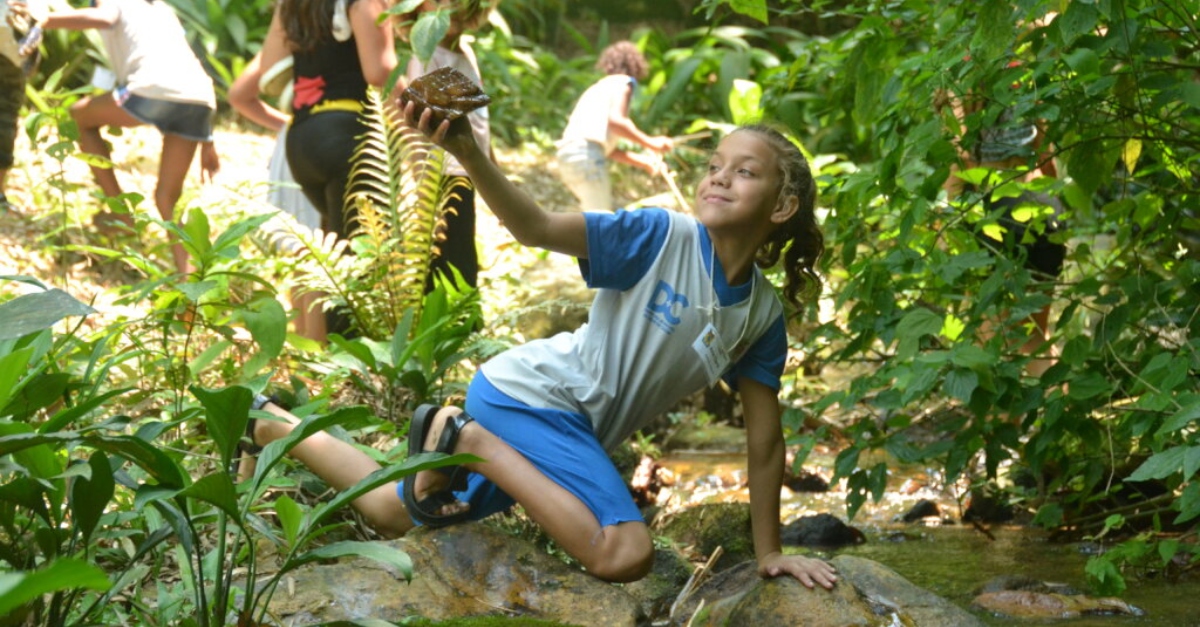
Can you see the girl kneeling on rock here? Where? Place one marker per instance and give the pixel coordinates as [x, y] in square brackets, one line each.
[681, 304]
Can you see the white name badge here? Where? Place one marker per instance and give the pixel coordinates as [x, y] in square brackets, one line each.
[712, 353]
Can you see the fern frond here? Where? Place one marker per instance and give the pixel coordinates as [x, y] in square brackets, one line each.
[400, 190]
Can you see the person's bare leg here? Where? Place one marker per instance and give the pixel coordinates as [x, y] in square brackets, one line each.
[91, 115]
[310, 319]
[341, 466]
[620, 553]
[174, 163]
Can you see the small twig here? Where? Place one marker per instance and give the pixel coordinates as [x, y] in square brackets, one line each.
[691, 618]
[702, 573]
[679, 197]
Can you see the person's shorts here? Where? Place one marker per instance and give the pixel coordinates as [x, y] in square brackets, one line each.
[584, 170]
[562, 445]
[1040, 253]
[185, 119]
[12, 95]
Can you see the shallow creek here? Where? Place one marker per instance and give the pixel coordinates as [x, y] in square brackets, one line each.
[951, 560]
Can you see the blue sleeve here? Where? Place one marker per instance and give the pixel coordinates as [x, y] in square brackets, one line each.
[622, 246]
[765, 359]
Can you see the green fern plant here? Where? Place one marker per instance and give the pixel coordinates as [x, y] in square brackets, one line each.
[399, 189]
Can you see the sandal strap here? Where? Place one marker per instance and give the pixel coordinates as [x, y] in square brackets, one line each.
[450, 432]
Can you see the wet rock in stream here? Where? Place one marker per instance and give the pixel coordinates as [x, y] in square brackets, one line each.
[820, 530]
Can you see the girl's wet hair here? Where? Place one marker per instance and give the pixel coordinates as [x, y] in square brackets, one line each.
[623, 57]
[799, 240]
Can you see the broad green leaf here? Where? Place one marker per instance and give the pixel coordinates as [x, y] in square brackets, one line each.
[146, 455]
[34, 312]
[1189, 503]
[961, 383]
[1089, 385]
[428, 32]
[915, 324]
[1191, 463]
[745, 101]
[973, 357]
[210, 354]
[227, 412]
[290, 518]
[1103, 574]
[18, 588]
[1079, 19]
[372, 550]
[194, 291]
[91, 495]
[216, 489]
[994, 29]
[1161, 465]
[756, 9]
[12, 367]
[267, 322]
[196, 233]
[1084, 61]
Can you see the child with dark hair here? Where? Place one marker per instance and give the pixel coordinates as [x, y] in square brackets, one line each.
[159, 81]
[339, 47]
[599, 120]
[681, 304]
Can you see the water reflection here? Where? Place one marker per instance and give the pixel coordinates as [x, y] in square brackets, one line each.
[950, 560]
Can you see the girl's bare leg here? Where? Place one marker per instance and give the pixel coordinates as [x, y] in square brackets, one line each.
[621, 552]
[310, 319]
[341, 466]
[91, 115]
[177, 155]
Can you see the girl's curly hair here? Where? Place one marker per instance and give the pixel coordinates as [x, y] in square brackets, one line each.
[623, 57]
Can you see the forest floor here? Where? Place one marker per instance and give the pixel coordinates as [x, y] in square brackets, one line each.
[45, 223]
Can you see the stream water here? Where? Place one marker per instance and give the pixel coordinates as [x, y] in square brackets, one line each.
[951, 560]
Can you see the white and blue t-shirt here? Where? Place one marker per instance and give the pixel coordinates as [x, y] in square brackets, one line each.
[637, 356]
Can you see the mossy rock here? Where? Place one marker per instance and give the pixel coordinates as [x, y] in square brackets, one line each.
[706, 527]
[709, 438]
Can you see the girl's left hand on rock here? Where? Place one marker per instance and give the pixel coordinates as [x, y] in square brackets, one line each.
[808, 571]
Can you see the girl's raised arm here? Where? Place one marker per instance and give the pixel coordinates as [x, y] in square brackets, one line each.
[374, 40]
[100, 16]
[530, 224]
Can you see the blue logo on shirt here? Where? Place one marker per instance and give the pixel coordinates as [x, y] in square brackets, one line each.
[665, 306]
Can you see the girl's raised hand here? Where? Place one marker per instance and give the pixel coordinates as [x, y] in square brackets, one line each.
[455, 136]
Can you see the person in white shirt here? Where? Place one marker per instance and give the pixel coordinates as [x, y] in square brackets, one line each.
[598, 122]
[159, 81]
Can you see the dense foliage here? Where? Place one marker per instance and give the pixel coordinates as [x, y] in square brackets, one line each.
[115, 443]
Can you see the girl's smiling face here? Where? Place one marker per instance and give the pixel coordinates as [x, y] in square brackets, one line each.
[741, 188]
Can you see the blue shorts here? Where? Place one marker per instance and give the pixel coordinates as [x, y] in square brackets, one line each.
[187, 120]
[562, 445]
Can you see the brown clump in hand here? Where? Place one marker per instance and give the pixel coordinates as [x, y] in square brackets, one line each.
[448, 92]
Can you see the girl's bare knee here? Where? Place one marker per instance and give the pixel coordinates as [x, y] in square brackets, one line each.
[626, 557]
